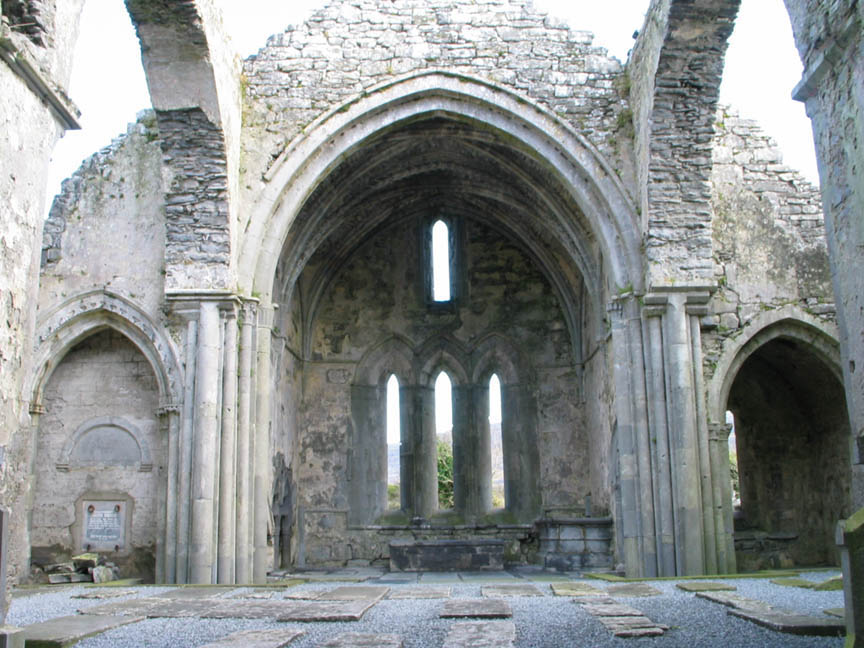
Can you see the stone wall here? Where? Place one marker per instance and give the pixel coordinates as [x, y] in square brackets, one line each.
[830, 40]
[104, 378]
[347, 47]
[115, 196]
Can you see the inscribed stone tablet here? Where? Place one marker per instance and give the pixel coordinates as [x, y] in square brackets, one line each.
[104, 525]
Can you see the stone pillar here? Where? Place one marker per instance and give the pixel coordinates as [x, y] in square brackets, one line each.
[482, 449]
[471, 463]
[521, 455]
[425, 448]
[262, 480]
[169, 415]
[683, 437]
[850, 539]
[367, 462]
[718, 438]
[245, 390]
[205, 444]
[227, 455]
[185, 454]
[407, 417]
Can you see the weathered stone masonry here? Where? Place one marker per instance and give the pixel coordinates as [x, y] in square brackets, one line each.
[629, 260]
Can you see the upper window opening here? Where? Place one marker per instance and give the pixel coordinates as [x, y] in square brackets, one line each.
[440, 262]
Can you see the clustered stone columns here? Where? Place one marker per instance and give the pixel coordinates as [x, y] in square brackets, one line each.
[472, 452]
[213, 464]
[672, 507]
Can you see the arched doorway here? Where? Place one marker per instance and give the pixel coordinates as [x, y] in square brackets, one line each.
[792, 441]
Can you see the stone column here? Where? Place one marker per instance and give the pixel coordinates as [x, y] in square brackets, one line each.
[184, 480]
[718, 439]
[245, 390]
[467, 462]
[425, 446]
[262, 481]
[683, 437]
[664, 512]
[521, 455]
[482, 497]
[169, 415]
[205, 444]
[227, 455]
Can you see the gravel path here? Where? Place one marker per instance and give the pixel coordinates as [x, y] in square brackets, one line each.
[549, 621]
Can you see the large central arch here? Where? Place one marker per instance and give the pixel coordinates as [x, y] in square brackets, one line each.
[581, 171]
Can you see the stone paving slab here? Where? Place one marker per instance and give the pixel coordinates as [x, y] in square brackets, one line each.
[696, 586]
[428, 592]
[100, 594]
[613, 610]
[258, 638]
[575, 589]
[836, 612]
[632, 589]
[798, 624]
[476, 608]
[309, 595]
[481, 634]
[506, 589]
[355, 593]
[132, 607]
[254, 595]
[68, 630]
[594, 600]
[439, 578]
[326, 610]
[186, 593]
[735, 601]
[363, 640]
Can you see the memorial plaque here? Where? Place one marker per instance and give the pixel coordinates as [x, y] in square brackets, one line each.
[104, 525]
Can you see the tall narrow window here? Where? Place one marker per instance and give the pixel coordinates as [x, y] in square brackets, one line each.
[440, 262]
[394, 442]
[444, 433]
[496, 443]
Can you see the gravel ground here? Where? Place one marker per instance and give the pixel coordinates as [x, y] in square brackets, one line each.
[540, 622]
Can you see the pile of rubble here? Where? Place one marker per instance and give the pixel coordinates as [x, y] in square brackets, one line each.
[85, 568]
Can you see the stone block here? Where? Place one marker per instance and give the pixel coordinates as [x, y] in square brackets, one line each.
[428, 592]
[632, 590]
[799, 624]
[696, 586]
[447, 555]
[492, 591]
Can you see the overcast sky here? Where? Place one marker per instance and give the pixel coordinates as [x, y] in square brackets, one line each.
[108, 82]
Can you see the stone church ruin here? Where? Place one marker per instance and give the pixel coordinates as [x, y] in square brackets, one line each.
[198, 388]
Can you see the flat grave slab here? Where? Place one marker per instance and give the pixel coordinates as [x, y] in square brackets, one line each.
[481, 634]
[576, 589]
[308, 595]
[507, 589]
[355, 593]
[735, 601]
[68, 630]
[611, 610]
[836, 612]
[131, 607]
[254, 595]
[440, 577]
[632, 589]
[258, 638]
[428, 592]
[101, 594]
[708, 586]
[326, 610]
[633, 626]
[363, 640]
[476, 608]
[195, 592]
[798, 624]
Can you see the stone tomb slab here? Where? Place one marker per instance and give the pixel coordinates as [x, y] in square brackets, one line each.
[355, 593]
[101, 594]
[195, 592]
[481, 634]
[431, 592]
[258, 638]
[308, 595]
[495, 591]
[836, 612]
[708, 586]
[735, 601]
[633, 626]
[611, 610]
[476, 608]
[632, 590]
[68, 630]
[575, 589]
[131, 607]
[363, 640]
[798, 624]
[306, 611]
[255, 595]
